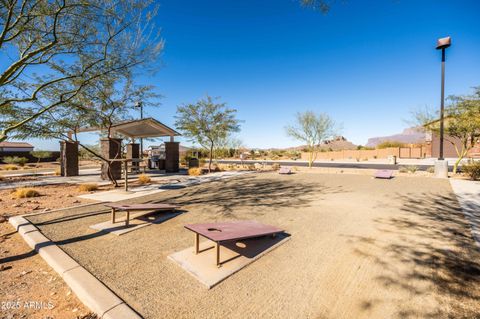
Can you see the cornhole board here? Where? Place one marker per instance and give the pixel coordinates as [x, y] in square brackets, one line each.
[137, 221]
[284, 170]
[384, 174]
[240, 244]
[145, 208]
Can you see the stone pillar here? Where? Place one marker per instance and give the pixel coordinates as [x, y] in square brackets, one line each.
[111, 148]
[172, 157]
[68, 158]
[133, 152]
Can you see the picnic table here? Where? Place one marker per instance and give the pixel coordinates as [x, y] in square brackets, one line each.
[230, 231]
[147, 208]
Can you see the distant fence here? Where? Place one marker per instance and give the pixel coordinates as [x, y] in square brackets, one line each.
[31, 158]
[399, 152]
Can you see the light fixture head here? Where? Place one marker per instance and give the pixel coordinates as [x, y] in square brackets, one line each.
[444, 43]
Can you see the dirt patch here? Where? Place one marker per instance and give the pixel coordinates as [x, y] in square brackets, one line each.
[29, 288]
[51, 197]
[360, 248]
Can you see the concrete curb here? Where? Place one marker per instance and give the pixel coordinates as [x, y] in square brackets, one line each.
[468, 196]
[91, 291]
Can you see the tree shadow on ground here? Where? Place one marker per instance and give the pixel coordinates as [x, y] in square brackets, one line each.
[254, 193]
[433, 240]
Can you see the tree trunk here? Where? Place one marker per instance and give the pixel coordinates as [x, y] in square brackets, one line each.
[211, 156]
[310, 158]
[459, 159]
[109, 172]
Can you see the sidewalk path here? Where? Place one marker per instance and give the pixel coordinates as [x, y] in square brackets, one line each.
[468, 195]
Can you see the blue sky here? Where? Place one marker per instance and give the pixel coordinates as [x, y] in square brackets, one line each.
[366, 63]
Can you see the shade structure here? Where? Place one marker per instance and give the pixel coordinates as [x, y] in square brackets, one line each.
[148, 127]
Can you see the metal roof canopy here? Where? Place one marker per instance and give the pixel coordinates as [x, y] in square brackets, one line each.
[148, 127]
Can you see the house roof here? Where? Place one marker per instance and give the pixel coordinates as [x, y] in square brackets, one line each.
[148, 127]
[15, 144]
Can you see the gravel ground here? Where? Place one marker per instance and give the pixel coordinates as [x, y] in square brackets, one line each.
[360, 248]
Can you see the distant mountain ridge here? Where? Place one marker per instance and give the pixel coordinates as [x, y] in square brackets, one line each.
[336, 144]
[410, 135]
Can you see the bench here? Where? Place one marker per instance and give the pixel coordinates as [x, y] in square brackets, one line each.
[147, 208]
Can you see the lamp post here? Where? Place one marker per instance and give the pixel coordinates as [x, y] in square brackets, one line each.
[441, 167]
[442, 44]
[139, 104]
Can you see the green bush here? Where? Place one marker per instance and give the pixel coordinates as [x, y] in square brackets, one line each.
[472, 169]
[21, 161]
[431, 170]
[39, 155]
[408, 169]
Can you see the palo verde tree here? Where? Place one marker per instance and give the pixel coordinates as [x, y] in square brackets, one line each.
[67, 45]
[312, 129]
[110, 101]
[207, 123]
[462, 123]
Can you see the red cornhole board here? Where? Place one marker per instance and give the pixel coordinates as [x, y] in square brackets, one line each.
[229, 231]
[384, 174]
[139, 207]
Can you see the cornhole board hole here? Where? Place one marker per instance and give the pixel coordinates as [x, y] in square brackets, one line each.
[230, 247]
[285, 170]
[384, 174]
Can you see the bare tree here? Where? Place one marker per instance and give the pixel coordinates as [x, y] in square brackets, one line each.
[312, 129]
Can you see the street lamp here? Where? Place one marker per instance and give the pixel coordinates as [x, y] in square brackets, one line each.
[139, 104]
[441, 168]
[442, 44]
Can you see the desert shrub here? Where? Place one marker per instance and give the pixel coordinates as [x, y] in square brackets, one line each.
[15, 160]
[195, 171]
[144, 179]
[25, 192]
[472, 169]
[431, 170]
[412, 168]
[88, 187]
[21, 161]
[275, 166]
[408, 169]
[9, 159]
[10, 167]
[39, 155]
[361, 147]
[387, 144]
[217, 168]
[257, 166]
